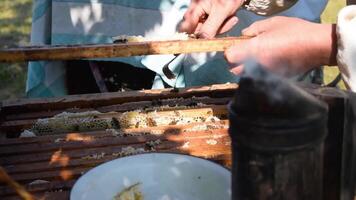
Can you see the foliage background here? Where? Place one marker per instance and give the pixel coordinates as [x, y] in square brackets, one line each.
[15, 28]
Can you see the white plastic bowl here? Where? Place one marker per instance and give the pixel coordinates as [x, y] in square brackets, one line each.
[163, 176]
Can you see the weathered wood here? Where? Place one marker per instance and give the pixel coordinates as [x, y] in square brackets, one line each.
[82, 136]
[64, 174]
[168, 104]
[35, 188]
[76, 165]
[59, 186]
[76, 169]
[190, 102]
[46, 156]
[71, 160]
[73, 52]
[21, 191]
[94, 101]
[55, 185]
[53, 195]
[110, 141]
[14, 157]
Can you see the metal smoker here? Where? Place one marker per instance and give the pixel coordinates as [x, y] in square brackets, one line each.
[277, 131]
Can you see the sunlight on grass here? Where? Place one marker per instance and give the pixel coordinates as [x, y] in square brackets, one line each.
[330, 13]
[7, 14]
[330, 16]
[15, 28]
[15, 22]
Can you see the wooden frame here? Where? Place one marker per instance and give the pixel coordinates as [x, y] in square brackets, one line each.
[60, 159]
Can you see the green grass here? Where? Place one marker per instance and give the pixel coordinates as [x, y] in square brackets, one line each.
[330, 16]
[330, 13]
[15, 28]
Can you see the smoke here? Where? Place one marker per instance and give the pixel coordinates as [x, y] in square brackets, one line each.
[264, 93]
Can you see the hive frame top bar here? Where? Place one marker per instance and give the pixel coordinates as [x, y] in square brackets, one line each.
[87, 51]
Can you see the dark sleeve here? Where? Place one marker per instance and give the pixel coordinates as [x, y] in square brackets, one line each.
[351, 2]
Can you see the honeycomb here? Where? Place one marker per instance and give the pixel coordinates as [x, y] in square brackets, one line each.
[94, 120]
[73, 122]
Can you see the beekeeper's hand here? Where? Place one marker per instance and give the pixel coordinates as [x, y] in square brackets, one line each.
[285, 45]
[207, 18]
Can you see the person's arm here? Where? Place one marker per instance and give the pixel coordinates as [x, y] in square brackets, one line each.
[206, 18]
[286, 45]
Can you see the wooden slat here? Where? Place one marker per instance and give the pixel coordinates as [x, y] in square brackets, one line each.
[27, 155]
[46, 156]
[69, 160]
[156, 130]
[60, 185]
[64, 174]
[94, 101]
[39, 188]
[191, 102]
[27, 173]
[20, 190]
[168, 104]
[73, 172]
[72, 52]
[58, 195]
[23, 149]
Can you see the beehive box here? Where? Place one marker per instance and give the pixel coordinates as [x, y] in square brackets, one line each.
[77, 133]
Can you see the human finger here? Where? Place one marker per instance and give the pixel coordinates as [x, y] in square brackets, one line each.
[200, 24]
[215, 20]
[237, 70]
[236, 54]
[228, 24]
[192, 18]
[260, 26]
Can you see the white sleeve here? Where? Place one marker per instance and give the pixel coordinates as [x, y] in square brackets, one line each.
[346, 55]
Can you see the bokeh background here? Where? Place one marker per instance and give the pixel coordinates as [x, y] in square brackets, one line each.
[15, 28]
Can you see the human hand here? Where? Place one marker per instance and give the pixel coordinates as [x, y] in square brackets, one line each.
[285, 45]
[206, 18]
